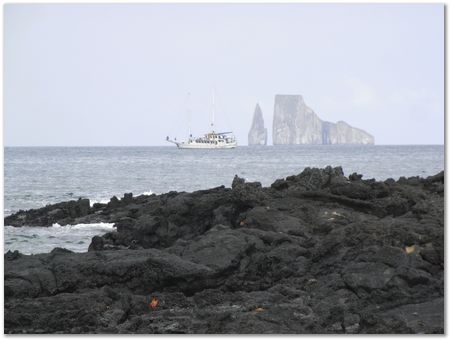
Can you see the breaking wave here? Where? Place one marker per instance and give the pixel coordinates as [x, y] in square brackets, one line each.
[148, 193]
[102, 201]
[106, 200]
[36, 240]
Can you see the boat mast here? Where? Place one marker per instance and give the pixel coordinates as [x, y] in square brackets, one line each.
[213, 109]
[188, 113]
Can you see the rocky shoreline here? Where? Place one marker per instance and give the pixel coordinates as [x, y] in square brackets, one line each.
[317, 252]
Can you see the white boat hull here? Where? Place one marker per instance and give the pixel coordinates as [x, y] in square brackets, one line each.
[212, 140]
[194, 145]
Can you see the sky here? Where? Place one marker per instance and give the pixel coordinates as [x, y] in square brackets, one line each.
[120, 74]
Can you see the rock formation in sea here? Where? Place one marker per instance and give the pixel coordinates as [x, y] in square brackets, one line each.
[295, 123]
[316, 252]
[258, 133]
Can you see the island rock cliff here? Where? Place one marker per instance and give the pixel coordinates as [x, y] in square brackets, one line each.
[295, 123]
[258, 133]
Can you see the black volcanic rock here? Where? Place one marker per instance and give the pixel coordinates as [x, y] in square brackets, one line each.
[314, 253]
[64, 213]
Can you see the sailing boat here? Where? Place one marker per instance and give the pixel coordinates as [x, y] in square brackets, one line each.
[211, 140]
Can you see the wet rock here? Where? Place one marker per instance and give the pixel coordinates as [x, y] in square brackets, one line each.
[65, 213]
[279, 184]
[113, 202]
[97, 243]
[59, 250]
[237, 181]
[127, 198]
[12, 255]
[355, 177]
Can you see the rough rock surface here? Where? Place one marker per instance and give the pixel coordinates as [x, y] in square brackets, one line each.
[317, 252]
[63, 213]
[295, 123]
[258, 133]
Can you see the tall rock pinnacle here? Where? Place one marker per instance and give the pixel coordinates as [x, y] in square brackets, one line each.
[258, 133]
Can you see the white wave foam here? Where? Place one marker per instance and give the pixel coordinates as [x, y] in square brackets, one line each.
[106, 200]
[100, 225]
[102, 201]
[35, 240]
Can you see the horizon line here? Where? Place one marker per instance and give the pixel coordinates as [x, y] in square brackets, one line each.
[170, 146]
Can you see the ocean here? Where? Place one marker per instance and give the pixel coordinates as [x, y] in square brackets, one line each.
[36, 176]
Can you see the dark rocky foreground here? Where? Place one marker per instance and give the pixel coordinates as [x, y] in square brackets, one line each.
[314, 253]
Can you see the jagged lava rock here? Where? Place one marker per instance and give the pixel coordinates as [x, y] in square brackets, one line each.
[316, 252]
[65, 213]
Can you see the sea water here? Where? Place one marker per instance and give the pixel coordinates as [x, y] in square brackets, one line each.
[36, 176]
[35, 240]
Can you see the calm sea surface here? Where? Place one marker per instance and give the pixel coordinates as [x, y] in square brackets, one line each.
[36, 176]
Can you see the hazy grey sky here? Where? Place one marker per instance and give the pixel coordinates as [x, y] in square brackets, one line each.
[119, 74]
